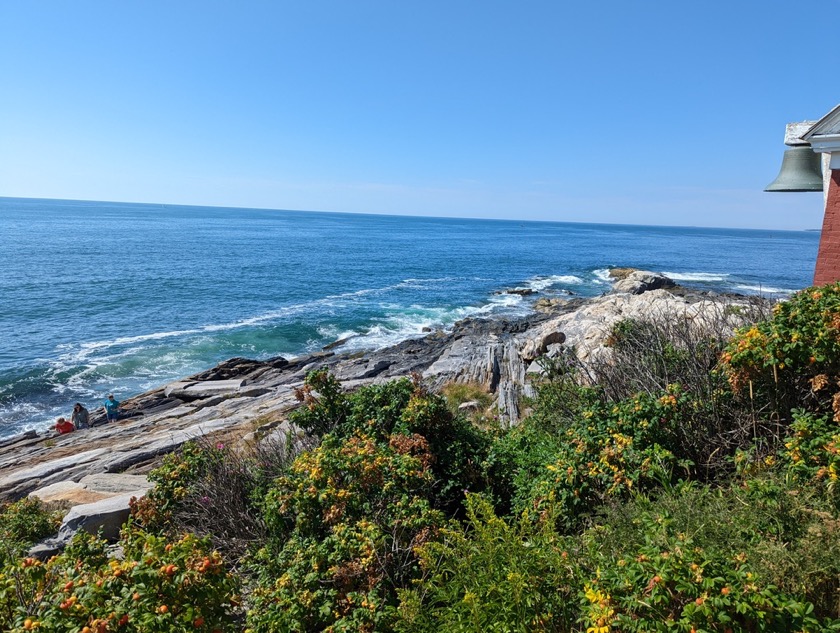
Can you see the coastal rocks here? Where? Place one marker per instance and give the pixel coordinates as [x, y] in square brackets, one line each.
[18, 482]
[536, 347]
[188, 391]
[548, 304]
[105, 517]
[522, 292]
[91, 488]
[29, 435]
[638, 281]
[620, 273]
[242, 398]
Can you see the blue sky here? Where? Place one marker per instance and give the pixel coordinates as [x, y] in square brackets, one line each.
[642, 113]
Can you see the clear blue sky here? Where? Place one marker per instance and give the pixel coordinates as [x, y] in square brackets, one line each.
[632, 112]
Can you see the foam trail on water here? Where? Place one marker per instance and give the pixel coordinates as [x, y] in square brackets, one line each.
[415, 321]
[697, 276]
[85, 350]
[602, 276]
[759, 289]
[543, 282]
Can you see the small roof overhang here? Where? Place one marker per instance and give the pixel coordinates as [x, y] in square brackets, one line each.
[824, 135]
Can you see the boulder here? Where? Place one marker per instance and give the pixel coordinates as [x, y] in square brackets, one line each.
[620, 273]
[522, 292]
[107, 515]
[536, 347]
[547, 304]
[639, 281]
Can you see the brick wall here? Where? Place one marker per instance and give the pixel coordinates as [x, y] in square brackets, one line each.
[828, 257]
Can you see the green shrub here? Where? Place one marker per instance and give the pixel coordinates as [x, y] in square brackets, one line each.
[173, 482]
[516, 459]
[651, 360]
[811, 452]
[23, 523]
[212, 490]
[789, 535]
[668, 583]
[325, 406]
[492, 576]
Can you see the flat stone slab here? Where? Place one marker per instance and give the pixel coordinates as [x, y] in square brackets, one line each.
[93, 488]
[115, 482]
[67, 492]
[49, 467]
[107, 515]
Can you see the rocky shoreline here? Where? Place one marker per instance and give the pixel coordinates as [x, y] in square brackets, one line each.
[97, 470]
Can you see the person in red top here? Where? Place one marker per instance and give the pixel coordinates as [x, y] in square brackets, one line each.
[64, 426]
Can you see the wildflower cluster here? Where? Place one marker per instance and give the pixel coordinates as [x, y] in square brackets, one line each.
[159, 587]
[792, 359]
[609, 451]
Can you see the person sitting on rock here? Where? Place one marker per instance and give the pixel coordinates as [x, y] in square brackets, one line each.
[80, 417]
[112, 408]
[64, 426]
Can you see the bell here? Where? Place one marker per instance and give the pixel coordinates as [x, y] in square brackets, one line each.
[801, 171]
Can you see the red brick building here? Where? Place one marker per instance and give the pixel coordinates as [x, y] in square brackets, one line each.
[824, 138]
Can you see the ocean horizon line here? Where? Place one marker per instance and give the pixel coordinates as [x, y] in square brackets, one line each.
[323, 212]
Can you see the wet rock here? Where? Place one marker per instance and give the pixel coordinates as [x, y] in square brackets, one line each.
[522, 292]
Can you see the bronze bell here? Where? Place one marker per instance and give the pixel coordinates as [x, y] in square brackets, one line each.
[801, 171]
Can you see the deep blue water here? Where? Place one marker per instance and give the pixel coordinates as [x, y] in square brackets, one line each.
[98, 297]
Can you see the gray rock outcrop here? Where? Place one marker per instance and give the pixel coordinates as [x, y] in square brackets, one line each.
[638, 281]
[97, 470]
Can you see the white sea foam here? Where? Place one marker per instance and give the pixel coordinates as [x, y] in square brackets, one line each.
[697, 276]
[330, 331]
[432, 280]
[542, 282]
[85, 350]
[767, 290]
[414, 321]
[505, 300]
[602, 276]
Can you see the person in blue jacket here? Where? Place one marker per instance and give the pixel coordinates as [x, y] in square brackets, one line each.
[112, 408]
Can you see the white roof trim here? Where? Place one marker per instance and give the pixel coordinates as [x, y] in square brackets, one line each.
[826, 128]
[826, 144]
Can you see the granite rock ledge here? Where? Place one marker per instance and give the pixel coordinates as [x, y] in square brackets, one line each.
[242, 400]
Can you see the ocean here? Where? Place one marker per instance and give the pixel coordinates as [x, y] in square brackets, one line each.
[100, 297]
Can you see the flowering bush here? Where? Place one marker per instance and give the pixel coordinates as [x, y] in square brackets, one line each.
[22, 523]
[346, 522]
[811, 452]
[160, 587]
[793, 359]
[609, 451]
[669, 584]
[173, 481]
[404, 407]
